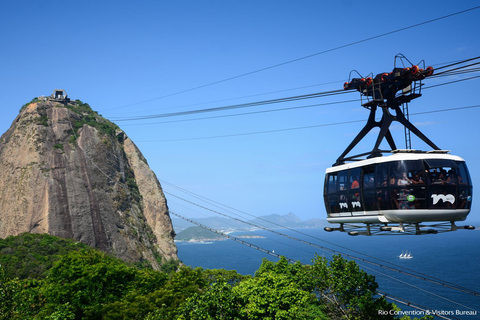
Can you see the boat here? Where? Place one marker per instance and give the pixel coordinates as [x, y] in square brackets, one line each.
[405, 255]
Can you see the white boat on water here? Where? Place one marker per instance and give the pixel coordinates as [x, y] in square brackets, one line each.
[405, 255]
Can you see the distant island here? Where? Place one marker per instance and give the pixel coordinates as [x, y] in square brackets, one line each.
[187, 231]
[198, 234]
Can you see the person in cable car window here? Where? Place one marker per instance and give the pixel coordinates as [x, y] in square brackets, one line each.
[417, 179]
[355, 184]
[393, 180]
[451, 178]
[404, 180]
[440, 179]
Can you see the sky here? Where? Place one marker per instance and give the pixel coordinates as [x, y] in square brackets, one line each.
[129, 59]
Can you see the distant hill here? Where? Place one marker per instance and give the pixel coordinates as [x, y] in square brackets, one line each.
[197, 233]
[271, 221]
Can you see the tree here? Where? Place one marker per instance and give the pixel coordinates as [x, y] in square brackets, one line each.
[274, 293]
[345, 290]
[85, 280]
[19, 299]
[184, 283]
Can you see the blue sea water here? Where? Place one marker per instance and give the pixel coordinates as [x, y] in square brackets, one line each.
[452, 257]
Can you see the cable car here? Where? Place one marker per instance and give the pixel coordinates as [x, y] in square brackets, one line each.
[406, 192]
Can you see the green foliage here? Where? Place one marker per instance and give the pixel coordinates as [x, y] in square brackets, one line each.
[89, 117]
[170, 266]
[30, 255]
[275, 292]
[345, 290]
[221, 275]
[42, 120]
[19, 299]
[86, 280]
[217, 303]
[28, 103]
[58, 146]
[274, 295]
[133, 187]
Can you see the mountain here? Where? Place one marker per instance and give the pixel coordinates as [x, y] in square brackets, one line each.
[69, 172]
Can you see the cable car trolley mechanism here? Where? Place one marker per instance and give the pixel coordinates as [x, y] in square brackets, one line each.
[408, 191]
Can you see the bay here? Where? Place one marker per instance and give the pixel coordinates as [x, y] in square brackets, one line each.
[452, 258]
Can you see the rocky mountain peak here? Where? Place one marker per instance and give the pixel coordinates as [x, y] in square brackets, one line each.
[69, 172]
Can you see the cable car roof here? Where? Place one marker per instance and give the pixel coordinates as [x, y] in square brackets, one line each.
[398, 155]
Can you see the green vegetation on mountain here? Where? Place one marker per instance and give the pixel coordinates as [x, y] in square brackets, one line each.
[30, 255]
[86, 115]
[77, 282]
[197, 233]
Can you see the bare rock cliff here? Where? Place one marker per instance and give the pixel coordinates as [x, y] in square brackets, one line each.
[66, 171]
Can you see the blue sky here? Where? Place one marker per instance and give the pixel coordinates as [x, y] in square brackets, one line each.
[128, 59]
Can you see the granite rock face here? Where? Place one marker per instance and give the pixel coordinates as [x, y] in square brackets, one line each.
[68, 172]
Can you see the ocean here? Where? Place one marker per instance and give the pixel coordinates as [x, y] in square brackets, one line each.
[452, 257]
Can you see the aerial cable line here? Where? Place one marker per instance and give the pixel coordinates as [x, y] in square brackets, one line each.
[236, 106]
[425, 278]
[450, 82]
[457, 62]
[250, 245]
[295, 128]
[254, 95]
[316, 85]
[246, 113]
[274, 101]
[458, 68]
[312, 105]
[304, 57]
[254, 133]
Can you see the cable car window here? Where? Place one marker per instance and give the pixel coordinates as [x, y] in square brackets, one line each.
[464, 198]
[441, 171]
[354, 178]
[332, 183]
[342, 192]
[368, 177]
[381, 174]
[464, 187]
[407, 184]
[354, 185]
[463, 177]
[442, 179]
[342, 180]
[381, 181]
[406, 173]
[369, 193]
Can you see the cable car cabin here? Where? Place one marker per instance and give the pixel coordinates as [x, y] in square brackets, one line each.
[405, 187]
